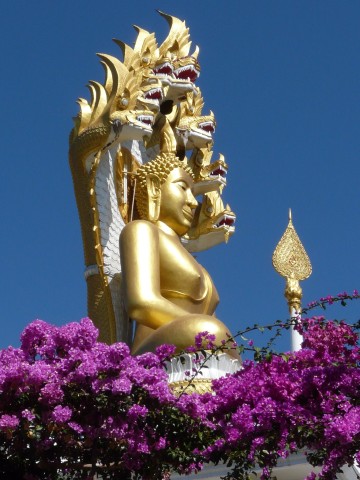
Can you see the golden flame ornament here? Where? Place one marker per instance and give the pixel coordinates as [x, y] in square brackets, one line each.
[291, 261]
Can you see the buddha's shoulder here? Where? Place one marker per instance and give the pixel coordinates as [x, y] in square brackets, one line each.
[139, 227]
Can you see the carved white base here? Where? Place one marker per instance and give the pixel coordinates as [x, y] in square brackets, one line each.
[211, 367]
[208, 367]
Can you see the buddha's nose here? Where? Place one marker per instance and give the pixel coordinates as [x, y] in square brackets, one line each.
[191, 200]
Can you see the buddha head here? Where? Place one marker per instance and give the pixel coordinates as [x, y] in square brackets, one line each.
[164, 192]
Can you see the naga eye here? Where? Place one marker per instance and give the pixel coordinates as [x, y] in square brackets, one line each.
[124, 102]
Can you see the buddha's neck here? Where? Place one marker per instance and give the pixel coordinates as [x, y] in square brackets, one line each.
[166, 229]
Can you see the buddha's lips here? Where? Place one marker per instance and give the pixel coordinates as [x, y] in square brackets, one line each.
[207, 127]
[188, 215]
[164, 69]
[188, 72]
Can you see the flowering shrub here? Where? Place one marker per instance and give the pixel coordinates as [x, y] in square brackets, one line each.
[67, 401]
[71, 407]
[305, 400]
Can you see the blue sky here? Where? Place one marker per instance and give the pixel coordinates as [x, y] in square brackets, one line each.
[283, 79]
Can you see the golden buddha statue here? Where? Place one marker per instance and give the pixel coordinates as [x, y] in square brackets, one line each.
[167, 292]
[131, 184]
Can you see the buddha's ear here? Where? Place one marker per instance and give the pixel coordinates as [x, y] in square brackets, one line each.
[154, 196]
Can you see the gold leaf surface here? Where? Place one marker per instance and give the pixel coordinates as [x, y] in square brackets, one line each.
[290, 259]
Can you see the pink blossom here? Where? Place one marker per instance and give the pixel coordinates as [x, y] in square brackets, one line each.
[27, 414]
[8, 422]
[76, 427]
[61, 414]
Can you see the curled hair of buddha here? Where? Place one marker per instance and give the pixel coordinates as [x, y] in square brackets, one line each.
[161, 166]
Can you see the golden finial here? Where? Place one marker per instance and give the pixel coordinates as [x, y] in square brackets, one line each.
[291, 261]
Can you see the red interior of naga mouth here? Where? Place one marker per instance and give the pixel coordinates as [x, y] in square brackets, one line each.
[227, 220]
[207, 127]
[219, 171]
[164, 69]
[187, 73]
[147, 119]
[154, 94]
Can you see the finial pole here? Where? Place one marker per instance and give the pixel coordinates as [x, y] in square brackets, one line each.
[293, 294]
[291, 261]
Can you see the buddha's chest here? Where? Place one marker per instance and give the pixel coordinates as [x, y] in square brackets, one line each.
[180, 274]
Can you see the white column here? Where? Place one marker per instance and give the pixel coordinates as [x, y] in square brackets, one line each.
[296, 338]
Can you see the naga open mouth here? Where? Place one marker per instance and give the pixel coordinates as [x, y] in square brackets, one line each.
[146, 119]
[154, 94]
[219, 171]
[207, 127]
[188, 72]
[164, 69]
[226, 220]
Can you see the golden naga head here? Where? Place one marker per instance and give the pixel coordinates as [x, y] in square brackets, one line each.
[192, 129]
[141, 59]
[187, 67]
[116, 106]
[175, 67]
[213, 224]
[209, 176]
[175, 49]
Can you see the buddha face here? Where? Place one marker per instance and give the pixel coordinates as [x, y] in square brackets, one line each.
[177, 201]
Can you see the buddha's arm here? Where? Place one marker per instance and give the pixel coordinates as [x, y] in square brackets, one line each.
[140, 262]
